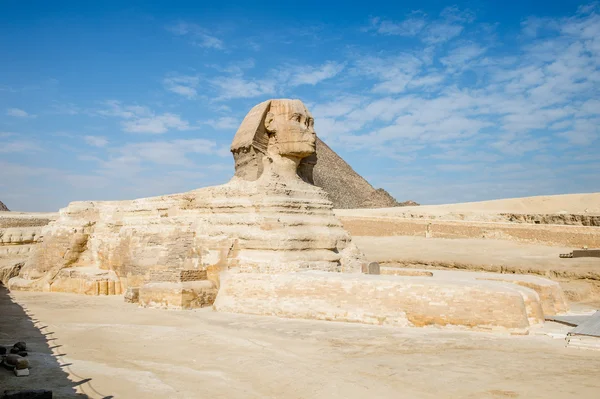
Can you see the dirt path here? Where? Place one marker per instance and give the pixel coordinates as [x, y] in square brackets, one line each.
[112, 349]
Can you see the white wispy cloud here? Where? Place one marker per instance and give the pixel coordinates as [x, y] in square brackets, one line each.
[394, 73]
[19, 146]
[198, 35]
[19, 113]
[411, 26]
[460, 57]
[96, 141]
[313, 75]
[155, 124]
[433, 31]
[236, 67]
[172, 152]
[66, 109]
[184, 85]
[522, 104]
[223, 123]
[140, 119]
[230, 87]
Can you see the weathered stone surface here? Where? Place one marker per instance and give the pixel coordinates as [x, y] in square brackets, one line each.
[551, 294]
[394, 271]
[393, 300]
[19, 233]
[551, 297]
[371, 268]
[178, 296]
[3, 207]
[132, 295]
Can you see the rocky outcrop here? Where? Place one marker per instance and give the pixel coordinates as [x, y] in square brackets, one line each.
[564, 219]
[19, 233]
[3, 207]
[409, 203]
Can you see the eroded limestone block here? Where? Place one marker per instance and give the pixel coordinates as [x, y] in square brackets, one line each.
[371, 268]
[551, 297]
[19, 234]
[395, 271]
[371, 299]
[550, 292]
[132, 295]
[178, 295]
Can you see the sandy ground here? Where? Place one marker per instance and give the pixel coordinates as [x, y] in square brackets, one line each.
[579, 277]
[105, 348]
[588, 204]
[496, 254]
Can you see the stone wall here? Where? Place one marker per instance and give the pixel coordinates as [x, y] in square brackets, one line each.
[386, 300]
[19, 233]
[569, 236]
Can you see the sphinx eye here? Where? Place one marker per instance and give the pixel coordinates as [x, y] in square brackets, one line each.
[298, 117]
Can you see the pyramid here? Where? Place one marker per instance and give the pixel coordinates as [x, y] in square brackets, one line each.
[3, 207]
[346, 188]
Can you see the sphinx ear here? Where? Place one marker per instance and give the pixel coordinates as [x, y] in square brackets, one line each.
[270, 122]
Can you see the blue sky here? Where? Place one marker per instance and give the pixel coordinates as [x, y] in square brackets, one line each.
[436, 102]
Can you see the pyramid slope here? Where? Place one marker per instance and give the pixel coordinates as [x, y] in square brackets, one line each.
[346, 188]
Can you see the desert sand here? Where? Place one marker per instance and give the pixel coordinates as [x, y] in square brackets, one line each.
[569, 203]
[586, 204]
[102, 347]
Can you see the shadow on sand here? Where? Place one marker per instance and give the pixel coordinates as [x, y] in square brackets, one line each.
[47, 370]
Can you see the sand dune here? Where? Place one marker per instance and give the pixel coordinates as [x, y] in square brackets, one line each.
[586, 204]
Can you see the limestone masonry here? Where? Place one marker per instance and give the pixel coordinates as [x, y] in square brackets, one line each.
[267, 242]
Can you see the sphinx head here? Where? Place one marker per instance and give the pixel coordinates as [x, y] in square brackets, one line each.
[274, 128]
[291, 129]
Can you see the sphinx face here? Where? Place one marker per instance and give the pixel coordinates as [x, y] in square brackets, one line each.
[292, 129]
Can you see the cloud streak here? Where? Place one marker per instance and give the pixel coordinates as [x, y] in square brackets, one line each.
[140, 119]
[19, 113]
[197, 35]
[183, 85]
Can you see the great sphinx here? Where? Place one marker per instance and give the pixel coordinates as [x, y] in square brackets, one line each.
[266, 243]
[265, 219]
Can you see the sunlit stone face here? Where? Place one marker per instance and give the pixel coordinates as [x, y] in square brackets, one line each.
[292, 128]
